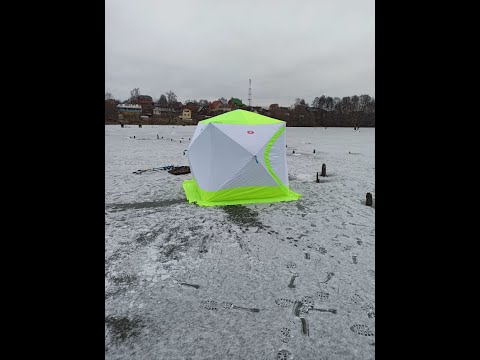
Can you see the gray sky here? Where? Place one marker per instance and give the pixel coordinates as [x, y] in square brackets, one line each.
[206, 49]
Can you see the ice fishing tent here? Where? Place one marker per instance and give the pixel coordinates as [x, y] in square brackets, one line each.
[237, 158]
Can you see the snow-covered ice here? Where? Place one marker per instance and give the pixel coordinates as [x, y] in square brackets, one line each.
[157, 246]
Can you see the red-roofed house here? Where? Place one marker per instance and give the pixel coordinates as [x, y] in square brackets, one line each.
[214, 105]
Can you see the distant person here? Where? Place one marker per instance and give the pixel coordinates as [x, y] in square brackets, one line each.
[158, 137]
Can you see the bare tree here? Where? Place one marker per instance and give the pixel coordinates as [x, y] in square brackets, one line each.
[299, 101]
[348, 111]
[171, 98]
[363, 102]
[134, 94]
[328, 103]
[162, 102]
[336, 101]
[319, 102]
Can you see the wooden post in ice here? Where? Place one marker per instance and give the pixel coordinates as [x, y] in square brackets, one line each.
[318, 180]
[324, 170]
[369, 201]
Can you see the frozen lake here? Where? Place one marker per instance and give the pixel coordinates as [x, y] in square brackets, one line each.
[279, 258]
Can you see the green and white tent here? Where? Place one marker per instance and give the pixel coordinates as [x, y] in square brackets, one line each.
[238, 158]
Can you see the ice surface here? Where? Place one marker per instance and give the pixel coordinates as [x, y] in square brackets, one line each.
[244, 255]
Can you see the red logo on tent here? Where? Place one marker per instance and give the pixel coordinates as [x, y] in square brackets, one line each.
[250, 132]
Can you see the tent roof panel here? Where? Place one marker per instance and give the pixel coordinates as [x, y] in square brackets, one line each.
[241, 117]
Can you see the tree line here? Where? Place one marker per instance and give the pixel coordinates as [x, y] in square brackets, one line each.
[354, 111]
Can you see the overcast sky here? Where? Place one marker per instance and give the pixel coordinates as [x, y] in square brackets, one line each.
[207, 49]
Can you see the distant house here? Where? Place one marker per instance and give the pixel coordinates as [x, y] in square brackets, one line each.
[203, 110]
[189, 111]
[146, 102]
[128, 111]
[235, 103]
[223, 108]
[129, 108]
[186, 114]
[214, 105]
[163, 112]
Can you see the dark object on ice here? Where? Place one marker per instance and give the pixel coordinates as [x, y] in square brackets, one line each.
[314, 151]
[166, 167]
[157, 137]
[121, 124]
[293, 152]
[139, 125]
[318, 180]
[369, 201]
[329, 276]
[180, 170]
[192, 285]
[307, 256]
[134, 136]
[296, 308]
[333, 311]
[324, 170]
[292, 279]
[305, 327]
